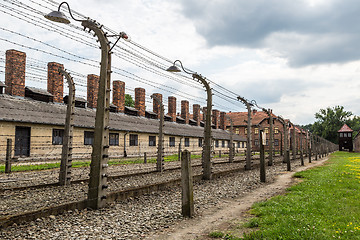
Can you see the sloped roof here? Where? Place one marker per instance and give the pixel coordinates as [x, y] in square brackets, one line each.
[39, 91]
[240, 118]
[345, 128]
[15, 109]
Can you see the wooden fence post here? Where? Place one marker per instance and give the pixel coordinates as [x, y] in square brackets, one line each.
[187, 194]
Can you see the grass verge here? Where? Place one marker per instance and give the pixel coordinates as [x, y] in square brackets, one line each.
[325, 205]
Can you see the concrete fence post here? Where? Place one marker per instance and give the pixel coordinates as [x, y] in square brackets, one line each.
[288, 162]
[145, 158]
[187, 194]
[8, 156]
[262, 158]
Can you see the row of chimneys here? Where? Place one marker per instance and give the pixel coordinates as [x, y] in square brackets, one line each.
[15, 85]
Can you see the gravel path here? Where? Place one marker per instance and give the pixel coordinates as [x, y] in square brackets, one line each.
[31, 199]
[140, 217]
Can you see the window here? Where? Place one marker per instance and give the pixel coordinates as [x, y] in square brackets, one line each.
[243, 144]
[200, 144]
[88, 138]
[172, 141]
[256, 130]
[266, 130]
[133, 139]
[57, 136]
[245, 131]
[223, 143]
[256, 142]
[113, 139]
[341, 135]
[276, 130]
[152, 141]
[238, 144]
[237, 130]
[216, 143]
[267, 142]
[187, 142]
[276, 143]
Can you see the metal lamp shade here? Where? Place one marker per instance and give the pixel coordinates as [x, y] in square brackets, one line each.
[173, 69]
[57, 16]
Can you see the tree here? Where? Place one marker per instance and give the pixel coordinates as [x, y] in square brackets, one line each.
[330, 120]
[129, 102]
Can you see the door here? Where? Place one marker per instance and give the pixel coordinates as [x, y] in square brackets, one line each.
[22, 141]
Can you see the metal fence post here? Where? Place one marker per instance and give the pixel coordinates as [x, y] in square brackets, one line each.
[8, 156]
[187, 194]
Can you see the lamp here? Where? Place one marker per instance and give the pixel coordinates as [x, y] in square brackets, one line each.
[207, 129]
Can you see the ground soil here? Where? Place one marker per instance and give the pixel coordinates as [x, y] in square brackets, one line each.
[230, 214]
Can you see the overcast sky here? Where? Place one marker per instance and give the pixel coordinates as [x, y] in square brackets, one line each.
[294, 57]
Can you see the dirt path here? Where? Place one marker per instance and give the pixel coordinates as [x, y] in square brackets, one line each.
[220, 217]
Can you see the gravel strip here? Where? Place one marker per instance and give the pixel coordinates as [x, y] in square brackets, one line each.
[31, 199]
[33, 178]
[138, 218]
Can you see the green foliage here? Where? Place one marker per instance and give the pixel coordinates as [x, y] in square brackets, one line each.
[129, 102]
[330, 120]
[216, 234]
[325, 205]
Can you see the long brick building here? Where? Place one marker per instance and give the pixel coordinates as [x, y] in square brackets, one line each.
[34, 119]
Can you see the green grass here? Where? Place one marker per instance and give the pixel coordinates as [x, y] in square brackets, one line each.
[325, 205]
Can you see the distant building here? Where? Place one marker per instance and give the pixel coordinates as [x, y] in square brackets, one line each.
[345, 138]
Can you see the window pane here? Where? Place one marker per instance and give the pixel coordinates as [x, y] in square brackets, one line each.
[172, 141]
[133, 139]
[113, 139]
[57, 137]
[200, 142]
[152, 140]
[88, 138]
[187, 142]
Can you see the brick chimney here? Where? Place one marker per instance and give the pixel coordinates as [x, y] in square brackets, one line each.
[215, 118]
[222, 120]
[156, 105]
[172, 108]
[15, 73]
[140, 101]
[55, 82]
[196, 114]
[185, 111]
[119, 95]
[92, 90]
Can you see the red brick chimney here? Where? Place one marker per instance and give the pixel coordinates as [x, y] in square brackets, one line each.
[15, 73]
[140, 101]
[196, 114]
[156, 105]
[119, 95]
[222, 120]
[215, 118]
[92, 90]
[55, 82]
[185, 111]
[172, 108]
